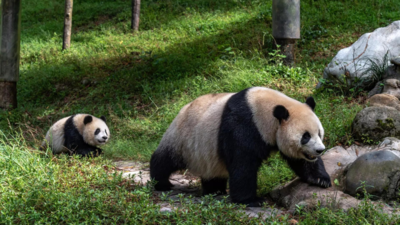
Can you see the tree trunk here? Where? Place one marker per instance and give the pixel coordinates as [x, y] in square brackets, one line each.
[135, 14]
[10, 31]
[67, 24]
[8, 95]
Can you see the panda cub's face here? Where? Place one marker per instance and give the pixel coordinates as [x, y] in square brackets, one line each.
[300, 132]
[96, 131]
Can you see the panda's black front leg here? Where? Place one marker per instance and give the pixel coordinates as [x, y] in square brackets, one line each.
[88, 151]
[243, 182]
[310, 172]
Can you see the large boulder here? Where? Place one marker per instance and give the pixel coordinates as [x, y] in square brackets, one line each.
[354, 61]
[376, 172]
[375, 123]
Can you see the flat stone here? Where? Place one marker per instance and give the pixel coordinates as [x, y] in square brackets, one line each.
[385, 100]
[166, 210]
[264, 213]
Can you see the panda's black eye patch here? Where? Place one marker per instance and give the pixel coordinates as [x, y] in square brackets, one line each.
[306, 138]
[97, 131]
[319, 133]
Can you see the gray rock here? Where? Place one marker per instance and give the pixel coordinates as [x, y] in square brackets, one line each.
[264, 213]
[384, 100]
[378, 170]
[375, 123]
[390, 84]
[166, 210]
[392, 87]
[395, 61]
[377, 89]
[354, 60]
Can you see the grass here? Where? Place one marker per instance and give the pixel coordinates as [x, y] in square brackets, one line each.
[139, 82]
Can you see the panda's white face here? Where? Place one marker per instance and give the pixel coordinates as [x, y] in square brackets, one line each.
[311, 146]
[301, 135]
[101, 134]
[96, 131]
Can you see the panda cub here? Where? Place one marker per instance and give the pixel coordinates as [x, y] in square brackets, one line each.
[228, 135]
[77, 134]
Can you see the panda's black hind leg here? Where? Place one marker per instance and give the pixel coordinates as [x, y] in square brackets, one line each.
[162, 164]
[214, 186]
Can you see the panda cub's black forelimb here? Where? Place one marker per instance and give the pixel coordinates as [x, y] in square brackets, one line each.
[89, 151]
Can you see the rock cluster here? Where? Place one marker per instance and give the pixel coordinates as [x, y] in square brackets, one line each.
[353, 170]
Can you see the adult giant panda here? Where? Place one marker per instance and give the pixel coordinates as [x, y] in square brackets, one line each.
[77, 134]
[227, 135]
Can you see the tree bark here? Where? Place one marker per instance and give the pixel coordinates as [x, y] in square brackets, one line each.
[8, 95]
[287, 48]
[10, 31]
[67, 24]
[135, 14]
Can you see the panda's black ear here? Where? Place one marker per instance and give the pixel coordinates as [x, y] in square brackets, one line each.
[281, 113]
[87, 119]
[103, 118]
[310, 102]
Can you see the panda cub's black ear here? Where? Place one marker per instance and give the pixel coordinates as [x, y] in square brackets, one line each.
[310, 102]
[88, 119]
[103, 118]
[281, 113]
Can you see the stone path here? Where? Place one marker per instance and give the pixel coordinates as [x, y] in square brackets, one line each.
[289, 196]
[185, 184]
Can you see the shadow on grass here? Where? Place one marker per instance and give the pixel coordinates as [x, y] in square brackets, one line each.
[43, 18]
[133, 74]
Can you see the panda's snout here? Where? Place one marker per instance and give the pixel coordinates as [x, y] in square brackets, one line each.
[105, 137]
[320, 151]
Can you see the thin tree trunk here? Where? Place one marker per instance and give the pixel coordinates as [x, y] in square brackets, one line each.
[8, 95]
[135, 14]
[10, 31]
[67, 24]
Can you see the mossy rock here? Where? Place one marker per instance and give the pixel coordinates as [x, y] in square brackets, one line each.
[377, 173]
[374, 123]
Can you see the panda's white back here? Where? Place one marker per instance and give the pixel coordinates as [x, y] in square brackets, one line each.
[55, 136]
[194, 135]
